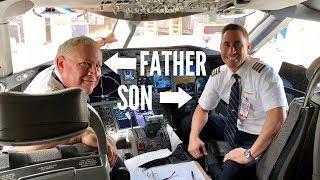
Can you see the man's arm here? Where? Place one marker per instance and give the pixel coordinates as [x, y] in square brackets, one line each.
[196, 146]
[110, 38]
[274, 119]
[67, 141]
[88, 137]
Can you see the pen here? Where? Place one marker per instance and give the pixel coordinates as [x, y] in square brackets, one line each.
[206, 163]
[192, 175]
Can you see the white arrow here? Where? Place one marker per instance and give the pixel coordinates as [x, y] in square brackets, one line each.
[115, 63]
[180, 97]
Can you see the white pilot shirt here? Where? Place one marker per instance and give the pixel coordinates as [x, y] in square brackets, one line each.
[41, 83]
[261, 88]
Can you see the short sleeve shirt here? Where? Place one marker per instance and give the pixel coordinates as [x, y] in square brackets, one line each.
[261, 87]
[45, 82]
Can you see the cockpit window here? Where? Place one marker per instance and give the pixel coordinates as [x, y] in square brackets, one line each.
[202, 30]
[296, 44]
[34, 40]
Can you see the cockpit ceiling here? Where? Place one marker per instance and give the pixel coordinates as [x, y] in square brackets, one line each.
[142, 17]
[157, 9]
[141, 9]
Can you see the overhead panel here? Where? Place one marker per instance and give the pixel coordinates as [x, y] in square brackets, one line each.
[140, 10]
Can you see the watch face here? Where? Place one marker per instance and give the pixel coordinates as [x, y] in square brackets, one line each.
[247, 154]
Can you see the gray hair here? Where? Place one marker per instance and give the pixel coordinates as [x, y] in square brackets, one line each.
[68, 46]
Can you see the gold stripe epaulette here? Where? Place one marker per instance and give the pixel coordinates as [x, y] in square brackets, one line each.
[258, 66]
[54, 88]
[215, 71]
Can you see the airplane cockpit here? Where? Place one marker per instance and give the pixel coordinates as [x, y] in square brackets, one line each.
[152, 78]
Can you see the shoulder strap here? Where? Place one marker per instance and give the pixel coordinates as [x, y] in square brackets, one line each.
[258, 67]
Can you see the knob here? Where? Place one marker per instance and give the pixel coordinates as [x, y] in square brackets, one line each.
[122, 143]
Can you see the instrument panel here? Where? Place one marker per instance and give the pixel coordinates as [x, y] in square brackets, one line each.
[115, 119]
[193, 85]
[138, 131]
[105, 97]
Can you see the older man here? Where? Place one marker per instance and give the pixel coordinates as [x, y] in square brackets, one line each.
[256, 106]
[77, 64]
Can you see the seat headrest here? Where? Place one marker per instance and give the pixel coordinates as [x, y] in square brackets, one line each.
[30, 119]
[314, 66]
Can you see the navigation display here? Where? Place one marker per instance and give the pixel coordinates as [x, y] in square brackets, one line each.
[128, 74]
[162, 83]
[137, 117]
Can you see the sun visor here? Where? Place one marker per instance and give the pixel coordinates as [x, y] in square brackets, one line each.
[31, 119]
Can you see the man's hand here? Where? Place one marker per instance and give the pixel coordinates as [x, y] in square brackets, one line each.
[112, 151]
[197, 147]
[111, 38]
[89, 138]
[236, 155]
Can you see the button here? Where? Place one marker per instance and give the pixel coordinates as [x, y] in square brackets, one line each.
[128, 155]
[121, 143]
[140, 145]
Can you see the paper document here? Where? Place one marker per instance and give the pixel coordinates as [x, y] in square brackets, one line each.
[141, 159]
[174, 139]
[180, 171]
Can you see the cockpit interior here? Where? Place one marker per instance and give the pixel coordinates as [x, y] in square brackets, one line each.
[150, 125]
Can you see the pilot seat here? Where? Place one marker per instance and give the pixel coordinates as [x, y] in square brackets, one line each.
[36, 119]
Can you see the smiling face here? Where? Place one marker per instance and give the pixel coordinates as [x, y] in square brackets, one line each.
[81, 67]
[234, 49]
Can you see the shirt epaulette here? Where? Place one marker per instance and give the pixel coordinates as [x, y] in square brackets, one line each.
[54, 88]
[54, 83]
[258, 66]
[215, 71]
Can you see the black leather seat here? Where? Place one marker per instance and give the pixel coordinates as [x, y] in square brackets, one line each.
[25, 117]
[292, 154]
[33, 119]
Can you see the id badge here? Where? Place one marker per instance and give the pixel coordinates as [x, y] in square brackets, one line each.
[244, 108]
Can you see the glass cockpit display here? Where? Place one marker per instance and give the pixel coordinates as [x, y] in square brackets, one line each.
[162, 83]
[128, 74]
[200, 84]
[106, 88]
[130, 118]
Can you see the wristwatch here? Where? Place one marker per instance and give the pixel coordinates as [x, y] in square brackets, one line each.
[248, 155]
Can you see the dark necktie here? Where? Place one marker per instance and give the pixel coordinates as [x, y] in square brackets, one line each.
[231, 128]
